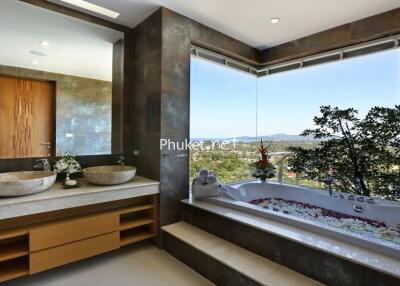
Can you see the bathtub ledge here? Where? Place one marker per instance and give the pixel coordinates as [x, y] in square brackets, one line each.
[353, 253]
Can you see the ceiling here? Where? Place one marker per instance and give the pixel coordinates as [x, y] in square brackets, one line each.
[248, 20]
[75, 47]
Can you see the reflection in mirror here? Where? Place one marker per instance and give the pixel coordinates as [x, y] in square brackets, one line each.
[56, 89]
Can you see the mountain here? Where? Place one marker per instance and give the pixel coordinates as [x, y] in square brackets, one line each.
[273, 137]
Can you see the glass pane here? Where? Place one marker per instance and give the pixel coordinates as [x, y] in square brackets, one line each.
[222, 107]
[288, 101]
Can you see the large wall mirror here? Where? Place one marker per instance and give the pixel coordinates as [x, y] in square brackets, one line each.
[59, 77]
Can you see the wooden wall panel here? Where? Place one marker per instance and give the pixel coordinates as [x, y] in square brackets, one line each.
[27, 118]
[43, 118]
[7, 109]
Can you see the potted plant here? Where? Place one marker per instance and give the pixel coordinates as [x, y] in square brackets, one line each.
[262, 169]
[67, 165]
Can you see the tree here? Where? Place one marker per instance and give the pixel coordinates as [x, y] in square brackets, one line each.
[362, 156]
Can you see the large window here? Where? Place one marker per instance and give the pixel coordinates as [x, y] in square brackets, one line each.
[288, 101]
[222, 106]
[226, 103]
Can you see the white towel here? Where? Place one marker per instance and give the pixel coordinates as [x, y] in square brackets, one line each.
[205, 185]
[201, 191]
[211, 180]
[203, 173]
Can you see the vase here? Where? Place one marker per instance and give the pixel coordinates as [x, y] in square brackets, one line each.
[263, 180]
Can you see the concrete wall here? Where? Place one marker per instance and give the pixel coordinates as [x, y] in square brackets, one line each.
[83, 109]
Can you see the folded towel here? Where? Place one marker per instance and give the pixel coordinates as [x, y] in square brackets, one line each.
[201, 191]
[203, 173]
[205, 185]
[200, 181]
[211, 180]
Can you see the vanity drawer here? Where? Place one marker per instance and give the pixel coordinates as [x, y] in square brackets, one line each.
[60, 255]
[70, 230]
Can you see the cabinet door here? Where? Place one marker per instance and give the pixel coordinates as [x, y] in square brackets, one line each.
[70, 230]
[60, 255]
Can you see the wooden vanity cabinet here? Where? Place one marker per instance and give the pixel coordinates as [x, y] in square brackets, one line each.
[44, 245]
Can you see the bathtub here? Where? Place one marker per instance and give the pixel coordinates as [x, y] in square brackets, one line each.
[238, 196]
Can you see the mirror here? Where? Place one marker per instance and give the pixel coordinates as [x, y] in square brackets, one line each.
[59, 77]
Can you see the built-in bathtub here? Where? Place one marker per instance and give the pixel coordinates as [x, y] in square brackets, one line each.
[238, 196]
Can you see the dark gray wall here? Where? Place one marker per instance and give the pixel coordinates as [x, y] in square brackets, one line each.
[83, 108]
[142, 96]
[178, 33]
[117, 97]
[363, 30]
[158, 103]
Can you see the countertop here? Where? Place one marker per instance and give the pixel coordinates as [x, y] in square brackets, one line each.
[57, 198]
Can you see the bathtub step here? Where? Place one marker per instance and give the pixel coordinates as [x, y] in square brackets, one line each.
[225, 263]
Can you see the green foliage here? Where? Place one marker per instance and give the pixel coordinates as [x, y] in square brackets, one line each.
[227, 166]
[361, 155]
[67, 165]
[233, 165]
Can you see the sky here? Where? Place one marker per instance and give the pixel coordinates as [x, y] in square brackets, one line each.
[228, 103]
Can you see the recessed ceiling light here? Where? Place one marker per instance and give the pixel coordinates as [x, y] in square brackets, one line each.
[38, 53]
[34, 62]
[274, 20]
[93, 7]
[44, 43]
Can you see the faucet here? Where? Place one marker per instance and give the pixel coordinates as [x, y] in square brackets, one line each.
[44, 164]
[121, 160]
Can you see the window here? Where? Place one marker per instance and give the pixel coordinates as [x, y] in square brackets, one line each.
[226, 103]
[222, 106]
[288, 101]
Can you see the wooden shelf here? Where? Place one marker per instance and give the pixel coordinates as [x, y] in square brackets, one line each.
[5, 234]
[14, 268]
[135, 235]
[128, 223]
[13, 250]
[136, 209]
[138, 223]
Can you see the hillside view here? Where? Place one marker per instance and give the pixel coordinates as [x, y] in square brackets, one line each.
[233, 164]
[362, 92]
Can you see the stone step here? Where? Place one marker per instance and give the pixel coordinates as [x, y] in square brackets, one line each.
[257, 269]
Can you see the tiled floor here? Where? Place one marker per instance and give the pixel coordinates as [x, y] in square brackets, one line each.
[138, 265]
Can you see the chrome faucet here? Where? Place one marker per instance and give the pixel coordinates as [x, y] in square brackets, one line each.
[44, 164]
[121, 160]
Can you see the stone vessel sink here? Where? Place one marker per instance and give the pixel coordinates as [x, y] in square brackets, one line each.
[25, 183]
[109, 175]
